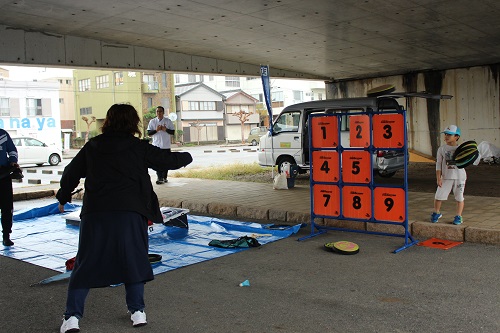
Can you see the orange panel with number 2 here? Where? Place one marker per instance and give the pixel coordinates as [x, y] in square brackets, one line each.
[359, 131]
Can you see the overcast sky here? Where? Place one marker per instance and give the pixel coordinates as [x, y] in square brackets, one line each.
[18, 73]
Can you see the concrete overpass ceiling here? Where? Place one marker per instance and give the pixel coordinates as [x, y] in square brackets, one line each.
[339, 39]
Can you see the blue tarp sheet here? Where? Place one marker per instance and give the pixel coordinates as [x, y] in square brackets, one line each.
[43, 238]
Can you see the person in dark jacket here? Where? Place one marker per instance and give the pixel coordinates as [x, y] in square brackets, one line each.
[117, 204]
[8, 159]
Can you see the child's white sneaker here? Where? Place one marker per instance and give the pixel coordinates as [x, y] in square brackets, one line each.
[138, 318]
[70, 325]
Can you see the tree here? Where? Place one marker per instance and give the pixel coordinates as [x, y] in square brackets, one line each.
[243, 116]
[198, 125]
[89, 122]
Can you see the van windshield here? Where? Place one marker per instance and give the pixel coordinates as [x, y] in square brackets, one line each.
[287, 122]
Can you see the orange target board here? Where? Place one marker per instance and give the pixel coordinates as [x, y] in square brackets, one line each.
[388, 130]
[359, 131]
[356, 202]
[389, 204]
[325, 166]
[324, 132]
[356, 167]
[326, 200]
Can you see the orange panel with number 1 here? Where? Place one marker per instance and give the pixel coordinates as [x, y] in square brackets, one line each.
[324, 132]
[388, 130]
[356, 167]
[326, 200]
[359, 131]
[356, 202]
[389, 204]
[325, 166]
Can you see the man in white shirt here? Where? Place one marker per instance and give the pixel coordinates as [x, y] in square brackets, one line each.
[160, 129]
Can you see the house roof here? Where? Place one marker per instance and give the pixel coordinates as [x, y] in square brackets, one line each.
[182, 89]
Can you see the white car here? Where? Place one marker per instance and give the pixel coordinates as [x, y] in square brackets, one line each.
[33, 151]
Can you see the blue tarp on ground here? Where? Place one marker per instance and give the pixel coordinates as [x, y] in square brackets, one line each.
[43, 238]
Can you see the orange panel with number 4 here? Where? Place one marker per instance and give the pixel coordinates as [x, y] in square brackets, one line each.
[389, 204]
[326, 200]
[356, 202]
[324, 132]
[359, 131]
[325, 166]
[356, 167]
[388, 130]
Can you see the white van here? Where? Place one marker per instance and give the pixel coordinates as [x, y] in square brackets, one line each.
[289, 141]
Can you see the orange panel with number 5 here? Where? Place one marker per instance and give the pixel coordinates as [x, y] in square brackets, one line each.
[356, 167]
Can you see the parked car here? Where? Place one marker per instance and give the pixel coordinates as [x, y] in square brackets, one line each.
[33, 151]
[255, 134]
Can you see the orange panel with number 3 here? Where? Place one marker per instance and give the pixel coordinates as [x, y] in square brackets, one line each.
[324, 132]
[359, 131]
[389, 204]
[388, 130]
[325, 166]
[356, 167]
[326, 200]
[356, 202]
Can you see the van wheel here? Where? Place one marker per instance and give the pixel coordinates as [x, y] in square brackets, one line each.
[284, 160]
[254, 142]
[386, 174]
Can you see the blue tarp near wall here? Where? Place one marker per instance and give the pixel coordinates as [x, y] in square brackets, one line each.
[43, 238]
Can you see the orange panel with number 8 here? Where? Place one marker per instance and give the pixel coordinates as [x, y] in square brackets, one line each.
[356, 202]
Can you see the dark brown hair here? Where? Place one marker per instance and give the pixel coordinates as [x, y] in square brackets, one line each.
[122, 118]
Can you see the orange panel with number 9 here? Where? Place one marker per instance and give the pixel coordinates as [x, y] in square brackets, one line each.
[389, 204]
[324, 132]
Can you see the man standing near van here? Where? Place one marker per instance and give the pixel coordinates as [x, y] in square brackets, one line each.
[160, 129]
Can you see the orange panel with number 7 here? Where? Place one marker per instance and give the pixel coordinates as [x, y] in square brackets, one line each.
[326, 200]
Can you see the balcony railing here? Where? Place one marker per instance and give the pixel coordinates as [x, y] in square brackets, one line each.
[150, 87]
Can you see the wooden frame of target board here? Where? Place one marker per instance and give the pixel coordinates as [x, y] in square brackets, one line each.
[342, 180]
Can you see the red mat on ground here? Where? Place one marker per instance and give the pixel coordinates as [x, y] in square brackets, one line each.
[437, 243]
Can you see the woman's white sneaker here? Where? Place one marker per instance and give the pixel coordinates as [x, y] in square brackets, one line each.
[70, 325]
[138, 318]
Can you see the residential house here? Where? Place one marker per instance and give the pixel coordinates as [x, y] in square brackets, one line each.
[238, 104]
[200, 112]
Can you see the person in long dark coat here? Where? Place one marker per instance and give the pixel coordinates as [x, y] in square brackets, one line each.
[117, 203]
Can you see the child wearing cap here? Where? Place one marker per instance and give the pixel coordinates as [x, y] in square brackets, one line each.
[448, 176]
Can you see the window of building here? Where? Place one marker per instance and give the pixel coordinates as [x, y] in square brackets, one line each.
[277, 96]
[233, 81]
[68, 81]
[61, 100]
[202, 106]
[84, 85]
[210, 78]
[118, 79]
[150, 102]
[4, 107]
[298, 96]
[60, 81]
[320, 96]
[33, 106]
[164, 80]
[177, 78]
[252, 78]
[102, 81]
[84, 111]
[191, 78]
[260, 97]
